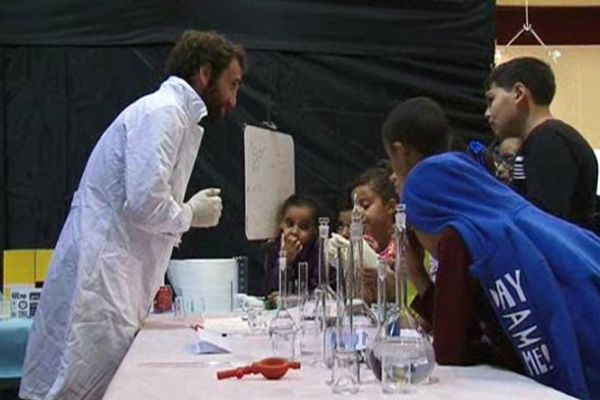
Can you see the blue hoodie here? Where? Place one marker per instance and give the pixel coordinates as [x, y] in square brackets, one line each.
[541, 274]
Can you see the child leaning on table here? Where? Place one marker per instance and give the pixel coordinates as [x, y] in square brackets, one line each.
[515, 285]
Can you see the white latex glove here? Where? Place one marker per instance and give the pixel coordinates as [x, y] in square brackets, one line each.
[206, 208]
[338, 241]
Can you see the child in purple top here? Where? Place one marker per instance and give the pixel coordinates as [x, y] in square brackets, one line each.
[299, 231]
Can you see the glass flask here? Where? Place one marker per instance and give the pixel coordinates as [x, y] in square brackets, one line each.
[282, 328]
[356, 312]
[324, 298]
[381, 291]
[402, 353]
[345, 371]
[374, 363]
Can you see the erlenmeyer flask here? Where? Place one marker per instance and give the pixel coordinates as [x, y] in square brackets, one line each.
[402, 353]
[282, 328]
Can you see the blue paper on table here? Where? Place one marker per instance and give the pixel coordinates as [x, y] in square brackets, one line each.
[13, 342]
[211, 343]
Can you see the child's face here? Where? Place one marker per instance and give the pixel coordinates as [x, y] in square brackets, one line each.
[397, 182]
[402, 160]
[344, 219]
[507, 150]
[502, 111]
[377, 214]
[299, 222]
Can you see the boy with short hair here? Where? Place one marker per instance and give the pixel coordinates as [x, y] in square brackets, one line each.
[556, 168]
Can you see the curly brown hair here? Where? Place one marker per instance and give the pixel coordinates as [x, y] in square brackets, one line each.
[196, 48]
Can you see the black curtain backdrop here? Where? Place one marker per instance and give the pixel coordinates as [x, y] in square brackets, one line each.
[326, 72]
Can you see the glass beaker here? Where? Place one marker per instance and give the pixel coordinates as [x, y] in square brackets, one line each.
[187, 307]
[255, 315]
[346, 371]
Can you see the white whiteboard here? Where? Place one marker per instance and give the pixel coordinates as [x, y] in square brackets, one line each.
[269, 172]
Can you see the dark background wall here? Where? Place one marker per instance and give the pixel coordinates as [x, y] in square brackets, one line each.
[326, 72]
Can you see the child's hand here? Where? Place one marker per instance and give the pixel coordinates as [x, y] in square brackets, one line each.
[271, 301]
[369, 255]
[273, 296]
[292, 246]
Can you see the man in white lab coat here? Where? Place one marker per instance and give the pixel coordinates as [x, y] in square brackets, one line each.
[125, 218]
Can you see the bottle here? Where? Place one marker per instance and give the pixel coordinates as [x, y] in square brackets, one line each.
[163, 301]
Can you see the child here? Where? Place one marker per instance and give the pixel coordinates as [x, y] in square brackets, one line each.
[344, 217]
[555, 168]
[299, 230]
[374, 194]
[414, 130]
[375, 197]
[515, 286]
[504, 156]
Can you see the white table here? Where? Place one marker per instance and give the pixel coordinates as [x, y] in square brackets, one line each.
[161, 364]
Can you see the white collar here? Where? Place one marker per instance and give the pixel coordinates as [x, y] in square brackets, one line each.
[192, 100]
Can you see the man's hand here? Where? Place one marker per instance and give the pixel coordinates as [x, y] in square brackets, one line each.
[206, 208]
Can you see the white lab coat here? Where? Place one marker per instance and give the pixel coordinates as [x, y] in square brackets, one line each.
[113, 251]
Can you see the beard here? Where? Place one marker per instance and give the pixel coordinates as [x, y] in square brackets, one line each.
[213, 102]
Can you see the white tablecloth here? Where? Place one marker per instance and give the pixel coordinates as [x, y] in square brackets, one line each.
[161, 364]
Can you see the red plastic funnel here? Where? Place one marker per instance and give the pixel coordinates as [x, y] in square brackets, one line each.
[270, 368]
